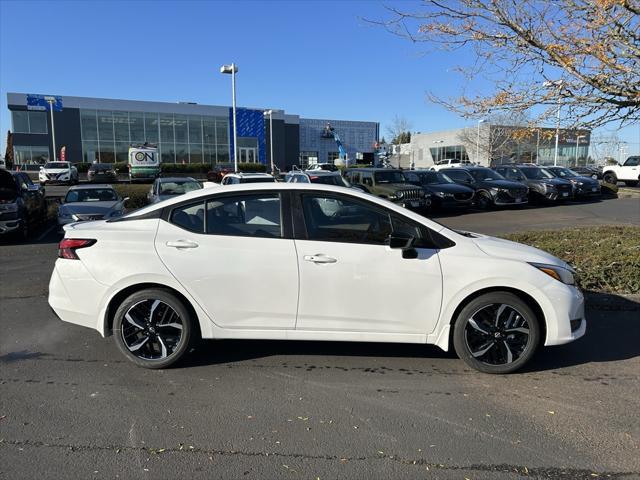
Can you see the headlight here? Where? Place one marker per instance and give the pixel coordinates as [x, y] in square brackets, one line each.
[549, 186]
[399, 194]
[580, 184]
[494, 190]
[559, 273]
[439, 194]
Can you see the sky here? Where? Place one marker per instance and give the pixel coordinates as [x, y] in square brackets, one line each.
[317, 59]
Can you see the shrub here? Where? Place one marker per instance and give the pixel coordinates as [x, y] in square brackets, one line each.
[252, 167]
[137, 194]
[185, 167]
[606, 258]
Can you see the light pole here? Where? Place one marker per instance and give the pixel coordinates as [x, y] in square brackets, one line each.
[621, 148]
[478, 140]
[51, 101]
[558, 84]
[578, 137]
[270, 114]
[232, 70]
[438, 151]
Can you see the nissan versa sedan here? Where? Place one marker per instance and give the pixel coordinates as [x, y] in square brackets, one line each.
[245, 262]
[90, 202]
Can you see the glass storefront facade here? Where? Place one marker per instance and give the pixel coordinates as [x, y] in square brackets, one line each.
[26, 121]
[24, 155]
[107, 135]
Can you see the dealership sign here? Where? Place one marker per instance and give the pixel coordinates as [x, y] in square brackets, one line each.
[41, 102]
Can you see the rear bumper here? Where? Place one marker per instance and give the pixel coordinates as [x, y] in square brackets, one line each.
[84, 310]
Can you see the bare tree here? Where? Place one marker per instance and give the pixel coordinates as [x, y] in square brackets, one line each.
[605, 146]
[582, 54]
[8, 155]
[399, 130]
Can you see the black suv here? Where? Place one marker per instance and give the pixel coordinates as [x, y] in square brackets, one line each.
[444, 191]
[22, 204]
[583, 186]
[492, 189]
[390, 184]
[543, 185]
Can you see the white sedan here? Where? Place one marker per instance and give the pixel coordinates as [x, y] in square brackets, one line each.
[58, 172]
[245, 262]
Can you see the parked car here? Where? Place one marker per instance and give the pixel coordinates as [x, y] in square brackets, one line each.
[22, 204]
[168, 187]
[451, 163]
[543, 185]
[58, 172]
[444, 191]
[589, 171]
[582, 186]
[494, 301]
[330, 167]
[90, 202]
[217, 174]
[102, 173]
[389, 184]
[492, 189]
[237, 178]
[628, 172]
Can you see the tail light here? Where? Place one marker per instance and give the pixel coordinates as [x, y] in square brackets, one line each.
[68, 246]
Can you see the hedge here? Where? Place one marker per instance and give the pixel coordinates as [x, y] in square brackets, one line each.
[137, 194]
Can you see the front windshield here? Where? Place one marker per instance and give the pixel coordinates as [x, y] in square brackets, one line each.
[486, 175]
[257, 180]
[56, 165]
[389, 177]
[336, 180]
[179, 187]
[91, 195]
[535, 173]
[565, 173]
[434, 178]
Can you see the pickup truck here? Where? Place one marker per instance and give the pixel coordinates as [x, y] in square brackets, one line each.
[628, 172]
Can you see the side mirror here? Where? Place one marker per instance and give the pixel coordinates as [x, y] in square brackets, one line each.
[125, 200]
[404, 243]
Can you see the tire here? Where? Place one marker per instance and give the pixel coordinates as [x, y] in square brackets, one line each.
[160, 332]
[632, 183]
[499, 349]
[610, 177]
[483, 201]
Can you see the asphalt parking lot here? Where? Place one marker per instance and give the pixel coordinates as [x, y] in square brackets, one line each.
[72, 407]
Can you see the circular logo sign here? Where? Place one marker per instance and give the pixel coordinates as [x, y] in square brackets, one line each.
[140, 156]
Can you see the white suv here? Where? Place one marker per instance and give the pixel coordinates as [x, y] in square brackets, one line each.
[451, 163]
[628, 172]
[245, 262]
[58, 172]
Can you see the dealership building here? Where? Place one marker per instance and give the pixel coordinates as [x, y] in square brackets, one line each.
[101, 129]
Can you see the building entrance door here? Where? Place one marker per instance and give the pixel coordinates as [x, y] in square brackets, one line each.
[247, 154]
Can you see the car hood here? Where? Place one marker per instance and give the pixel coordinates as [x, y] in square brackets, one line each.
[394, 187]
[553, 181]
[499, 248]
[508, 184]
[55, 170]
[586, 180]
[87, 208]
[447, 188]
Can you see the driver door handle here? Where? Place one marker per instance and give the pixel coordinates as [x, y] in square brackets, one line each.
[319, 258]
[182, 244]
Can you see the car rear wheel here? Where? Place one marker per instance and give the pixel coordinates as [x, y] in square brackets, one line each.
[496, 333]
[153, 328]
[483, 201]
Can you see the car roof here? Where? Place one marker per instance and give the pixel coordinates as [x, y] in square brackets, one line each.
[175, 179]
[90, 187]
[319, 173]
[373, 169]
[248, 174]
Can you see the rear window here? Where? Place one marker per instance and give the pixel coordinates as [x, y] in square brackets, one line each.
[91, 195]
[257, 180]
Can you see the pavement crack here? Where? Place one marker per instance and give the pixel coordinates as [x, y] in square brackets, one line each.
[550, 473]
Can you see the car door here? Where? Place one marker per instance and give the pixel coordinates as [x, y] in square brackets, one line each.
[366, 286]
[231, 253]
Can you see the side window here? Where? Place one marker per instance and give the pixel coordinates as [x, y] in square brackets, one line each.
[189, 217]
[367, 179]
[455, 160]
[407, 227]
[632, 162]
[249, 215]
[340, 219]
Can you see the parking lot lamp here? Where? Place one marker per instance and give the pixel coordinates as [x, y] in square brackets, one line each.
[232, 70]
[559, 85]
[578, 137]
[270, 114]
[51, 101]
[482, 120]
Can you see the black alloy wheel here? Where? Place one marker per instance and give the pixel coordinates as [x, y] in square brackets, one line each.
[496, 333]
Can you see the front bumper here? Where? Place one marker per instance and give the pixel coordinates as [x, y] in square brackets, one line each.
[564, 313]
[10, 226]
[587, 191]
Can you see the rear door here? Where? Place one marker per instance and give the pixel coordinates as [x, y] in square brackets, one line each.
[350, 280]
[235, 256]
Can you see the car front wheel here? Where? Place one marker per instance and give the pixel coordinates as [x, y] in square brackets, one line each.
[496, 333]
[610, 177]
[153, 328]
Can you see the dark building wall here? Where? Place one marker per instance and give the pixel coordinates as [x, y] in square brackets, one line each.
[67, 133]
[292, 145]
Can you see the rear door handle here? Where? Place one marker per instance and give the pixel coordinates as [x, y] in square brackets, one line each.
[319, 258]
[182, 244]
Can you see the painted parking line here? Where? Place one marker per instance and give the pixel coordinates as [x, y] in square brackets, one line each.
[45, 233]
